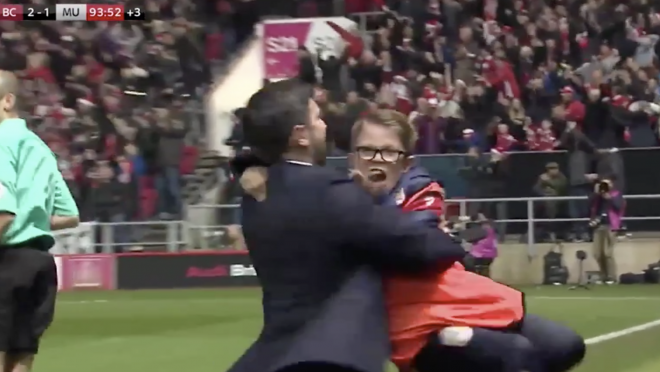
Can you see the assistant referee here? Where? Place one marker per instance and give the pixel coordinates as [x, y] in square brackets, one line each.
[34, 200]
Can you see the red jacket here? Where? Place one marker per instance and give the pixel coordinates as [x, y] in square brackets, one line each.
[426, 303]
[575, 111]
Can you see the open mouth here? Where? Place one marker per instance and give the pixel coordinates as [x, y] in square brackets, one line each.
[377, 175]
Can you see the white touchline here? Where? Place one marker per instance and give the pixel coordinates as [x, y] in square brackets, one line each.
[621, 333]
[587, 298]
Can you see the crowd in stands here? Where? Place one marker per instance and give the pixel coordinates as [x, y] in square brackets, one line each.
[118, 103]
[501, 74]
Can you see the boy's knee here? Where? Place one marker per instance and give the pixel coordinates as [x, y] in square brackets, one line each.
[569, 351]
[523, 355]
[560, 347]
[575, 349]
[522, 345]
[522, 350]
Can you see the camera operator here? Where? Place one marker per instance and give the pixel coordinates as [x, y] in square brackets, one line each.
[484, 251]
[606, 212]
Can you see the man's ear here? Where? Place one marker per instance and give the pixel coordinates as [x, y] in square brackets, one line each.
[350, 157]
[299, 136]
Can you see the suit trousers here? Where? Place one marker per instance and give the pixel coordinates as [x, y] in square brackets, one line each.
[603, 251]
[317, 367]
[539, 345]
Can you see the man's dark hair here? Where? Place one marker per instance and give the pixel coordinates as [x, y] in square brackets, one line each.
[271, 114]
[238, 113]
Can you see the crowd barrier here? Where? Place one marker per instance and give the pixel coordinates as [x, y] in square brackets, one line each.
[132, 271]
[521, 215]
[114, 237]
[177, 236]
[522, 170]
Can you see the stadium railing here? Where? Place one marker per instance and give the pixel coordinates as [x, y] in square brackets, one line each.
[529, 220]
[177, 236]
[117, 237]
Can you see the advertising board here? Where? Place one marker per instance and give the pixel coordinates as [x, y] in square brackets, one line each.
[185, 270]
[86, 272]
[283, 39]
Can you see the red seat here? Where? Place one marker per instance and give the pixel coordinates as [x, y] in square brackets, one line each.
[148, 200]
[146, 182]
[188, 159]
[213, 47]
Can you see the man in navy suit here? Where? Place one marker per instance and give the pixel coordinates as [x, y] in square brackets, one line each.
[319, 244]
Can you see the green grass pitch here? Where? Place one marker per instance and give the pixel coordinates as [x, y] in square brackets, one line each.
[206, 330]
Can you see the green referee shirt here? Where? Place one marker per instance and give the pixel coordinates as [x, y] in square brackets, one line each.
[31, 186]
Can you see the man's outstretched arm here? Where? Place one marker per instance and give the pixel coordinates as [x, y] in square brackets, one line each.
[386, 236]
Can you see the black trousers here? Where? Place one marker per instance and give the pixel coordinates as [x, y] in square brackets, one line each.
[317, 367]
[482, 266]
[539, 345]
[28, 287]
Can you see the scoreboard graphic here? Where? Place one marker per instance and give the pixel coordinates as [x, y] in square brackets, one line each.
[71, 12]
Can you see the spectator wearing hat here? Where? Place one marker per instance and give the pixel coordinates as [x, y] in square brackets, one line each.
[551, 183]
[573, 107]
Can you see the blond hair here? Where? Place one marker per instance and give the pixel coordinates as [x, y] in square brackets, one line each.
[391, 119]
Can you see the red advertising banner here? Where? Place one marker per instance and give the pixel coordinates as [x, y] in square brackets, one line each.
[87, 272]
[155, 270]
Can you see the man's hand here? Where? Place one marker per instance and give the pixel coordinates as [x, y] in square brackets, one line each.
[444, 225]
[253, 182]
[591, 177]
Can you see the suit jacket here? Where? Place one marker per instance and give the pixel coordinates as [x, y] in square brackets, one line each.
[318, 244]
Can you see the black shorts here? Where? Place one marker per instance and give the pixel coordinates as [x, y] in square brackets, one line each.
[28, 287]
